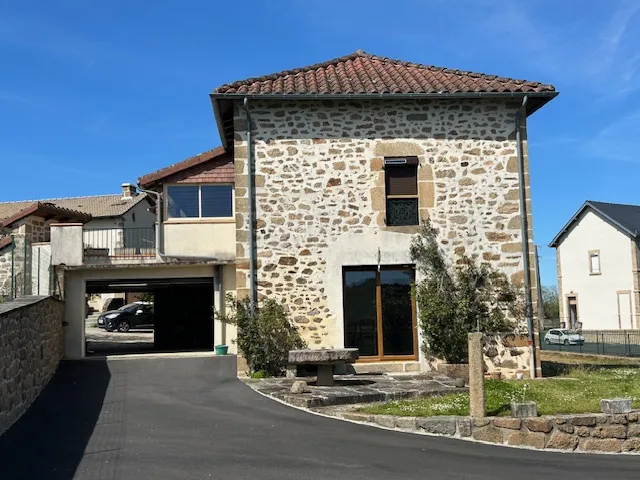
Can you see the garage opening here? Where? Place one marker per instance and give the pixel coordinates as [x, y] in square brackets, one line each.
[138, 316]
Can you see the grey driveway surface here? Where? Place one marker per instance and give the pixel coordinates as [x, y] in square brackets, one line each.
[176, 419]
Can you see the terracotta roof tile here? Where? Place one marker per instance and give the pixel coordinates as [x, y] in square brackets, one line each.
[42, 209]
[218, 153]
[363, 73]
[97, 205]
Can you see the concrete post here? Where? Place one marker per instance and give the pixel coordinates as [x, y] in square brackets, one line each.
[476, 376]
[66, 244]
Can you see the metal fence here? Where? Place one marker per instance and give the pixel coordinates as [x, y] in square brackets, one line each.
[624, 343]
[118, 243]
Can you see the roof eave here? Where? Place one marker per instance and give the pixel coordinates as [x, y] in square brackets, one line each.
[542, 97]
[556, 240]
[545, 96]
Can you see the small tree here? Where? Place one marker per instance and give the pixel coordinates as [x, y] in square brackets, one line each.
[454, 301]
[265, 335]
[550, 305]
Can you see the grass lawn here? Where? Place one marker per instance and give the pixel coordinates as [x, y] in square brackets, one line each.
[578, 391]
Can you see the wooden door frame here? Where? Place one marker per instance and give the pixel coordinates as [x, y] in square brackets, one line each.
[414, 324]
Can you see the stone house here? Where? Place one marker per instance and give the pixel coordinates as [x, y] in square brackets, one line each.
[324, 175]
[597, 255]
[25, 230]
[338, 163]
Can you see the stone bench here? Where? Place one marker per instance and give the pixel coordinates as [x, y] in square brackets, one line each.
[325, 359]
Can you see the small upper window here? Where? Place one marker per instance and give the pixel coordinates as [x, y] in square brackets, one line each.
[200, 201]
[401, 183]
[594, 262]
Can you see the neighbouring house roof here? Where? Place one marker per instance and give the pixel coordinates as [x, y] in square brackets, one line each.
[212, 166]
[362, 75]
[95, 206]
[625, 217]
[5, 241]
[42, 209]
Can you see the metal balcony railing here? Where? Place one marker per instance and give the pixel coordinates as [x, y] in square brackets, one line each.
[105, 244]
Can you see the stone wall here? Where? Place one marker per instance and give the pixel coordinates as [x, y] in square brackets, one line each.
[31, 346]
[320, 194]
[585, 433]
[507, 354]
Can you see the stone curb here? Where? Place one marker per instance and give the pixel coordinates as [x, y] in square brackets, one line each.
[486, 431]
[597, 433]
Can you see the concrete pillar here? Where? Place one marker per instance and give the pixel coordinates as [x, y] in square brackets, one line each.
[66, 244]
[476, 376]
[74, 315]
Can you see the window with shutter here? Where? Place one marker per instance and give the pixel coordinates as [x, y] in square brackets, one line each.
[401, 185]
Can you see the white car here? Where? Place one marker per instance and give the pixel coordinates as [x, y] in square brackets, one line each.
[563, 336]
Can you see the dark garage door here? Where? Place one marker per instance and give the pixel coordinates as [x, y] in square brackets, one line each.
[183, 309]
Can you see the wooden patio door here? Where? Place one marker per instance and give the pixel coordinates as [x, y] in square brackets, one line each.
[379, 312]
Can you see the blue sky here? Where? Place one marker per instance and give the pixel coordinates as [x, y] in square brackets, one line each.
[93, 94]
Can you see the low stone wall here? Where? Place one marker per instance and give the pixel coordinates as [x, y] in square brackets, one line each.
[31, 346]
[507, 354]
[585, 433]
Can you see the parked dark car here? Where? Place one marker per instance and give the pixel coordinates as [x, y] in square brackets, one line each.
[132, 315]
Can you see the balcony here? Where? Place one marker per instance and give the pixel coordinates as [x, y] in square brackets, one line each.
[109, 245]
[75, 245]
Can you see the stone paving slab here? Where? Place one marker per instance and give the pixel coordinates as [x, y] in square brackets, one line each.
[350, 389]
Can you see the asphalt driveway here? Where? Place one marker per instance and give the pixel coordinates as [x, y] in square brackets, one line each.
[149, 418]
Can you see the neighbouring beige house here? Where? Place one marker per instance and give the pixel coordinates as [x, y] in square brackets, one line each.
[324, 174]
[598, 271]
[25, 231]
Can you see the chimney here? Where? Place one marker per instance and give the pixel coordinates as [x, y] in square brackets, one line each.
[128, 191]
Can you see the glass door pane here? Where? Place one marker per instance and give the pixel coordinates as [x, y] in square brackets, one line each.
[360, 319]
[397, 312]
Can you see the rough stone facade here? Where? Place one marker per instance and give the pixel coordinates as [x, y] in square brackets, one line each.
[507, 354]
[321, 197]
[32, 229]
[584, 433]
[31, 346]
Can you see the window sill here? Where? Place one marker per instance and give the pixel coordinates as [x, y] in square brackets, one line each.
[594, 274]
[410, 229]
[187, 221]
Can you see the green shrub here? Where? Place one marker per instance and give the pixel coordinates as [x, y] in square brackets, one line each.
[455, 300]
[259, 374]
[265, 334]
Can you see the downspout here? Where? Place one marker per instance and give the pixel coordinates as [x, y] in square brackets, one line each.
[13, 268]
[220, 302]
[253, 285]
[524, 233]
[159, 232]
[24, 268]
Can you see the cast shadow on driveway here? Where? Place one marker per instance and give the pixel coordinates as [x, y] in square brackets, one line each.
[49, 440]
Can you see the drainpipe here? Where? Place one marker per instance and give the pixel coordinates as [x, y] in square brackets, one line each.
[253, 285]
[159, 232]
[524, 233]
[13, 268]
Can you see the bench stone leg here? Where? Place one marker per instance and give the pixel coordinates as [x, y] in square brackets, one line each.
[325, 376]
[292, 371]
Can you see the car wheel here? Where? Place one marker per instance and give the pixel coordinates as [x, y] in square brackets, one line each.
[124, 326]
[566, 342]
[547, 341]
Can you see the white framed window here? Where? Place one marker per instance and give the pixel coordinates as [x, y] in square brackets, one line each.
[594, 262]
[200, 201]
